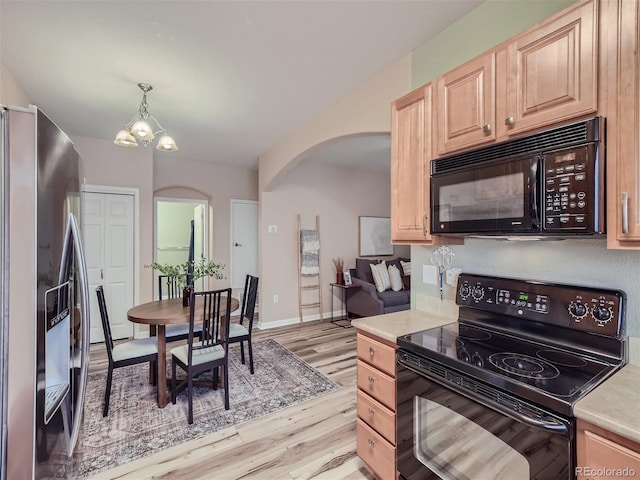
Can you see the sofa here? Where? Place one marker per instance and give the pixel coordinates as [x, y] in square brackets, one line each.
[366, 300]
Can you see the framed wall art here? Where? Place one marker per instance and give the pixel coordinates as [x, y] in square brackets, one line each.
[375, 236]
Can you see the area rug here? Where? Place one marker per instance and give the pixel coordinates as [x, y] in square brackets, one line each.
[136, 427]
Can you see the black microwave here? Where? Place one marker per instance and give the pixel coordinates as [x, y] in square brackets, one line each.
[547, 184]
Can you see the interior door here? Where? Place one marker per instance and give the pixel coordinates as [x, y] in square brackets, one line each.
[199, 240]
[244, 241]
[107, 225]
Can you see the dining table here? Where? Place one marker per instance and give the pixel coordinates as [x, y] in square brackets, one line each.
[159, 314]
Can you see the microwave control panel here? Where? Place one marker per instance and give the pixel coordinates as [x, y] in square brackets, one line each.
[569, 189]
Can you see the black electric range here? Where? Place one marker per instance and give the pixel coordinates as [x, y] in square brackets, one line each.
[549, 344]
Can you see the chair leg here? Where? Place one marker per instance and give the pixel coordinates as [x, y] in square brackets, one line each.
[242, 351]
[107, 393]
[190, 392]
[173, 381]
[226, 386]
[215, 378]
[250, 356]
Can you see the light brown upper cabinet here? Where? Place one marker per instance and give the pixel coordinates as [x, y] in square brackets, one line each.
[410, 155]
[621, 46]
[465, 105]
[552, 70]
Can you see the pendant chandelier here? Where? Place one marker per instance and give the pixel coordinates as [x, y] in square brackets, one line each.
[138, 128]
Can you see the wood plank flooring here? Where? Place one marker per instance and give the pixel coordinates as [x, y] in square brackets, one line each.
[313, 440]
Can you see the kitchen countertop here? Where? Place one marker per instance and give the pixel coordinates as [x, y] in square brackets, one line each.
[391, 325]
[615, 404]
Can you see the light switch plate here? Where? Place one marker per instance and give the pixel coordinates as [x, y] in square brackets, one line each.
[451, 276]
[430, 274]
[273, 229]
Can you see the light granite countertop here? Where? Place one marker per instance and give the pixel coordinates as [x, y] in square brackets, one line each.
[391, 325]
[615, 404]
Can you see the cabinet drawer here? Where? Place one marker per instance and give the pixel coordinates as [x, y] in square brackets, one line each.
[605, 455]
[381, 356]
[377, 416]
[380, 386]
[376, 452]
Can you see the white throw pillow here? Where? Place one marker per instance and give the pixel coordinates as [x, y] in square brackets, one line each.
[406, 267]
[394, 278]
[380, 276]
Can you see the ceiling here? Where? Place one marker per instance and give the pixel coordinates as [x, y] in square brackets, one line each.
[231, 78]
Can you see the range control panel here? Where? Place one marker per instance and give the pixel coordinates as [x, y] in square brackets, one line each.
[581, 308]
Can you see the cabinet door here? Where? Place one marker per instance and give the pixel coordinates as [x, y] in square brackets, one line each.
[623, 124]
[465, 105]
[552, 70]
[410, 148]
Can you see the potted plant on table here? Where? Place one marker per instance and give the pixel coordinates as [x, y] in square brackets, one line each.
[185, 274]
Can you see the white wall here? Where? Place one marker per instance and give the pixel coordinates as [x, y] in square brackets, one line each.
[339, 196]
[220, 184]
[10, 91]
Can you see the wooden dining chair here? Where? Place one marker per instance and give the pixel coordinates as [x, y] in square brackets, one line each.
[124, 353]
[241, 332]
[173, 333]
[210, 352]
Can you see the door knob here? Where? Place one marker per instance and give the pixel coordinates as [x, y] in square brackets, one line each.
[237, 244]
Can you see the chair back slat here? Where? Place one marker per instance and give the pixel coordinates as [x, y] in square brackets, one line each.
[171, 285]
[249, 301]
[214, 316]
[106, 327]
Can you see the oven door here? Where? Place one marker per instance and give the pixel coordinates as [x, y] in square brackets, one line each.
[445, 432]
[497, 198]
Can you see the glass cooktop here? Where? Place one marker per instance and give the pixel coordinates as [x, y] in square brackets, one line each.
[509, 362]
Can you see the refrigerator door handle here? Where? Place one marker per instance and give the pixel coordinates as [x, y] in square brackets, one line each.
[84, 312]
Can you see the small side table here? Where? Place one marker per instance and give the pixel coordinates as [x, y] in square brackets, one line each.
[344, 293]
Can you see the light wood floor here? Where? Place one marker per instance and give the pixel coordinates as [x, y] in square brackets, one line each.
[315, 439]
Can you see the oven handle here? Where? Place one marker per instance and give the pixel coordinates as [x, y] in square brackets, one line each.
[554, 426]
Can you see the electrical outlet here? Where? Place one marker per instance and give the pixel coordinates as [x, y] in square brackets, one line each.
[275, 299]
[451, 277]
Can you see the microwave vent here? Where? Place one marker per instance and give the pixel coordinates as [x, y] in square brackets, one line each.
[576, 133]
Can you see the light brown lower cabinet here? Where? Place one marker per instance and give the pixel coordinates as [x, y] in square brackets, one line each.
[604, 455]
[376, 405]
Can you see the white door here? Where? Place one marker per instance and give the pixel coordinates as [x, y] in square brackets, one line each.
[107, 226]
[198, 240]
[244, 240]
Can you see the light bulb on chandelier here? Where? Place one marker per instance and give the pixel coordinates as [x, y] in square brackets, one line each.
[139, 128]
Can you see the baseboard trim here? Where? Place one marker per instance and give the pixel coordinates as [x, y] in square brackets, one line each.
[292, 321]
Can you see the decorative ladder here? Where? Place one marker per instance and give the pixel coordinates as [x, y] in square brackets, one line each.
[303, 280]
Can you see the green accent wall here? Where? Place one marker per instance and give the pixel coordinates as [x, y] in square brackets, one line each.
[481, 29]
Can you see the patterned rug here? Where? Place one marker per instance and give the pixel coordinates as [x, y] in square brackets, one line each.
[136, 427]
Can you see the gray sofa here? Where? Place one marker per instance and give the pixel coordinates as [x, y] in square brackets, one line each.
[366, 300]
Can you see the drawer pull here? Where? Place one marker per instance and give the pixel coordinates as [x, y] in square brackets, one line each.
[371, 411]
[486, 128]
[371, 379]
[372, 351]
[509, 121]
[371, 443]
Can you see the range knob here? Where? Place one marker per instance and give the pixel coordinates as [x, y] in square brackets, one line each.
[465, 291]
[478, 293]
[601, 314]
[464, 356]
[578, 310]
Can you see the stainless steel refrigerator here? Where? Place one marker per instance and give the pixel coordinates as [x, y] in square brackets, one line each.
[44, 304]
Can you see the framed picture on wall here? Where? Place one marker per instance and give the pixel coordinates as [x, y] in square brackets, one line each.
[375, 236]
[347, 277]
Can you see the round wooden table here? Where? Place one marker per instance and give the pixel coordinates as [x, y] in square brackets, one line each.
[161, 313]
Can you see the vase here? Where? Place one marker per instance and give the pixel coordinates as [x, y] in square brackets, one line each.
[340, 278]
[186, 295]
